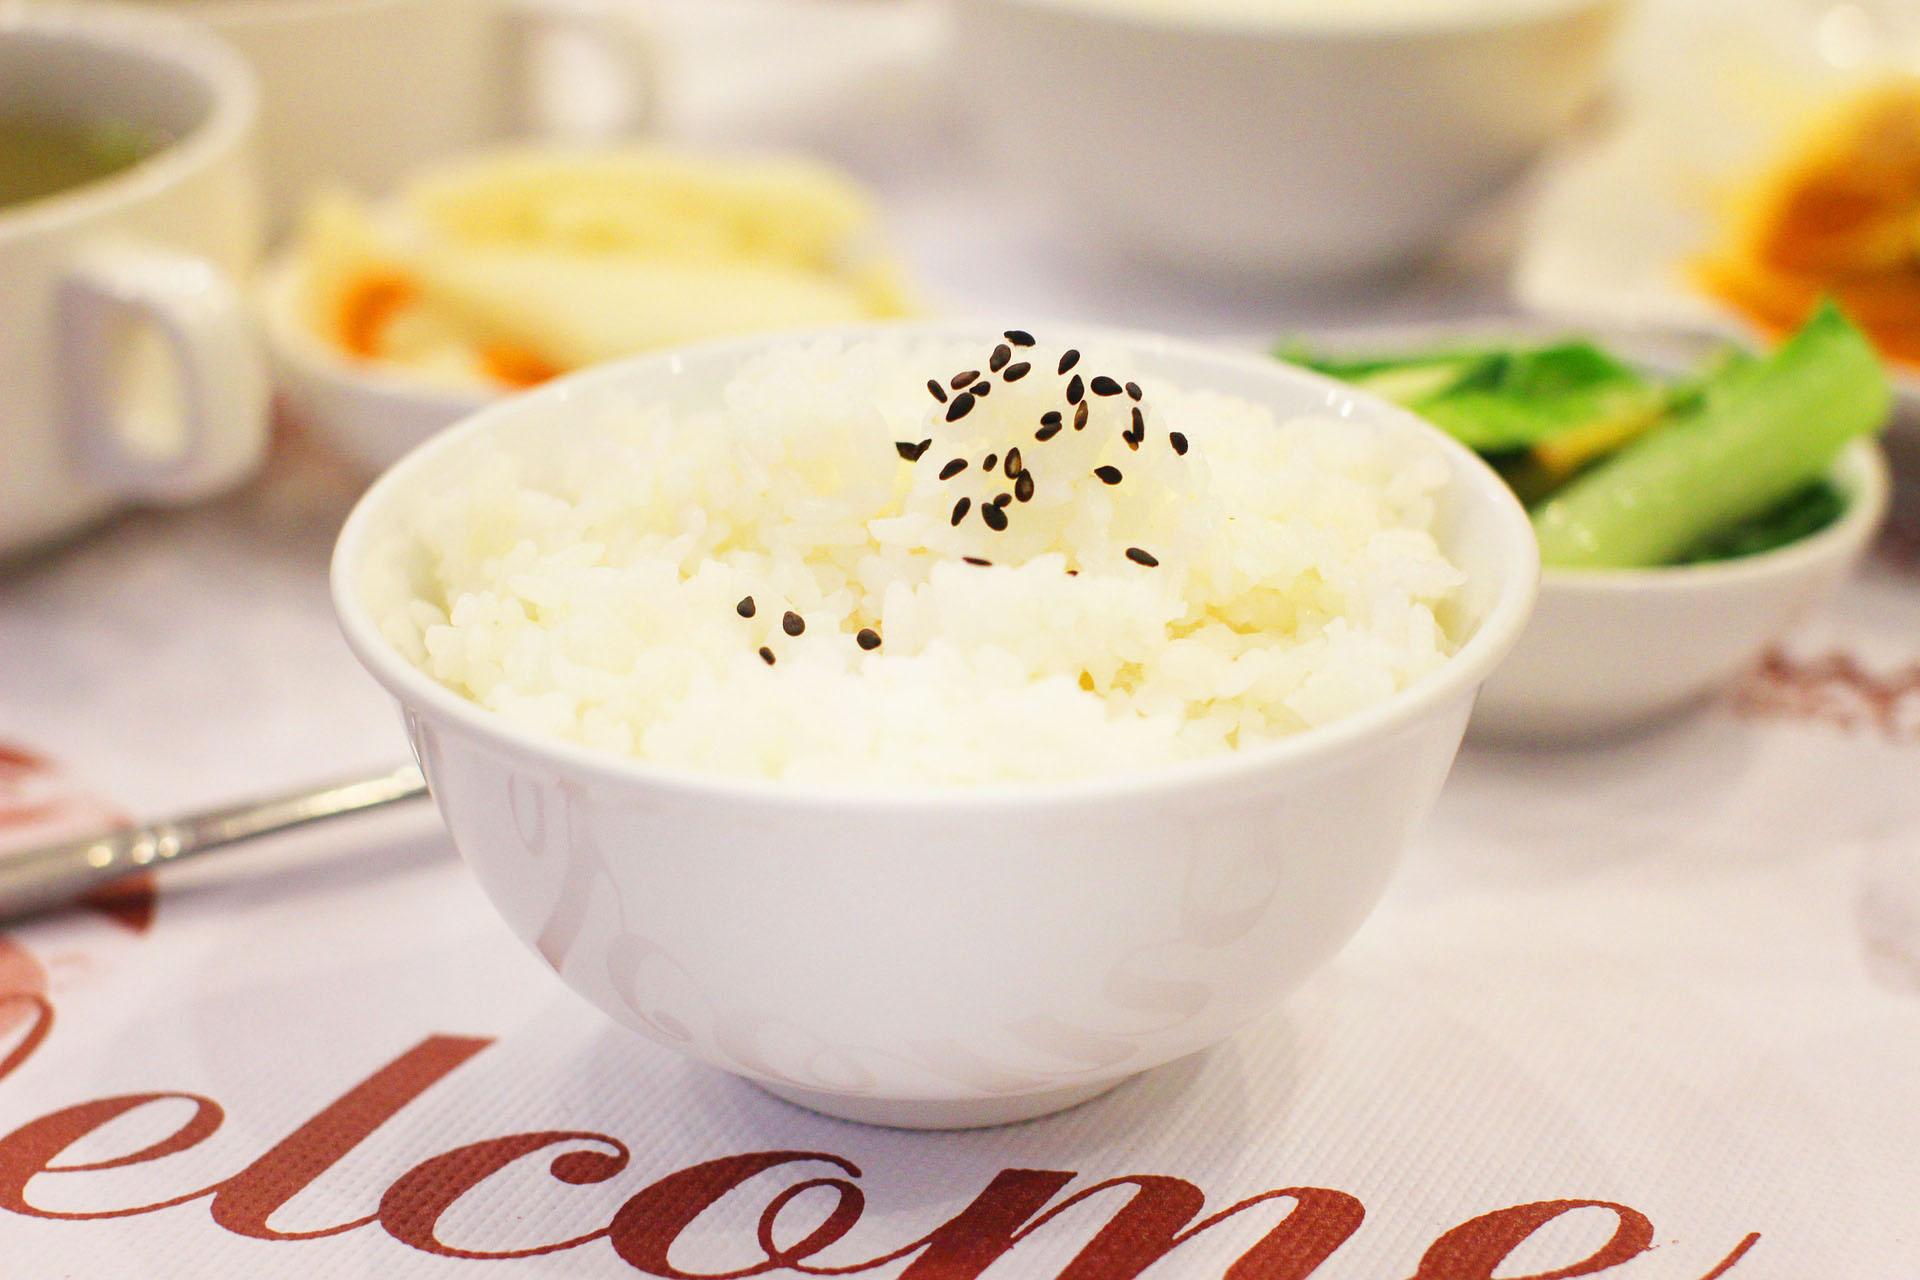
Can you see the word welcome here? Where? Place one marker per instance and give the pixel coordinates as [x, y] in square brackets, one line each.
[1155, 1214]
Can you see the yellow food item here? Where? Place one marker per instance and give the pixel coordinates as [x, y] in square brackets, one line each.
[1838, 215]
[1562, 455]
[513, 268]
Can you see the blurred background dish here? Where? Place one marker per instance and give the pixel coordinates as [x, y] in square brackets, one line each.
[491, 274]
[364, 91]
[1770, 513]
[129, 371]
[1284, 140]
[1610, 650]
[1767, 154]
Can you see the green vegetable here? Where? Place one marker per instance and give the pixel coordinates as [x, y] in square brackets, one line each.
[1760, 433]
[1801, 516]
[1498, 401]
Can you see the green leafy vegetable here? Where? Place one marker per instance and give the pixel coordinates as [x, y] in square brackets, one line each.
[1500, 400]
[1800, 516]
[1760, 433]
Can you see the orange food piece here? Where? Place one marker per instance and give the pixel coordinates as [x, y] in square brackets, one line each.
[367, 308]
[1838, 216]
[516, 367]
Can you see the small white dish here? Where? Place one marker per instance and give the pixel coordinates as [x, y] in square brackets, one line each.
[938, 958]
[370, 415]
[1304, 147]
[1609, 650]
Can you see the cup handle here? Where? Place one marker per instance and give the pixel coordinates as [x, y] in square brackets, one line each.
[623, 42]
[134, 314]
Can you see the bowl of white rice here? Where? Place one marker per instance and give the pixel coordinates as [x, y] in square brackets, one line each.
[936, 728]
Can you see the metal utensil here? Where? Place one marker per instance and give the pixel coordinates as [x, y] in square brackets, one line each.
[40, 879]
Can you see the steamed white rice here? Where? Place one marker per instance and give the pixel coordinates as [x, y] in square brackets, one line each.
[583, 579]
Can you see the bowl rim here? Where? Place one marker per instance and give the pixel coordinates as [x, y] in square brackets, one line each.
[152, 37]
[1244, 26]
[1460, 676]
[1860, 473]
[293, 344]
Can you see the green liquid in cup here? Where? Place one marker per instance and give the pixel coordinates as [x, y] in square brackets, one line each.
[41, 158]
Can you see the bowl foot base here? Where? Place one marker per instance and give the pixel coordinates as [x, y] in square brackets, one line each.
[937, 1113]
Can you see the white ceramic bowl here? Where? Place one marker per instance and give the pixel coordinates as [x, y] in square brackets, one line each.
[370, 415]
[937, 958]
[1311, 148]
[1611, 649]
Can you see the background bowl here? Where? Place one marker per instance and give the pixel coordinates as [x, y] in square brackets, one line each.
[370, 415]
[1610, 649]
[1310, 148]
[936, 957]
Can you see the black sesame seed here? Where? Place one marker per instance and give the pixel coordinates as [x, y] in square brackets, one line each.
[981, 388]
[977, 560]
[793, 624]
[953, 468]
[1105, 386]
[1108, 475]
[1051, 418]
[1133, 391]
[1178, 441]
[1133, 441]
[1023, 487]
[1014, 465]
[1018, 337]
[936, 390]
[1001, 354]
[1002, 500]
[996, 518]
[960, 510]
[867, 638]
[766, 655]
[988, 464]
[1080, 418]
[960, 380]
[1069, 360]
[962, 405]
[1138, 556]
[1049, 431]
[910, 451]
[1075, 390]
[1015, 372]
[1139, 421]
[745, 607]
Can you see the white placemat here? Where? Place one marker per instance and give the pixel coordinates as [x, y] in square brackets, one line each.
[1678, 977]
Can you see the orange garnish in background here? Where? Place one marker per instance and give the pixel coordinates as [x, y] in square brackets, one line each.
[516, 367]
[1838, 215]
[368, 306]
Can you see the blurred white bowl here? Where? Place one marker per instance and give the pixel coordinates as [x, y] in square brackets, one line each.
[1302, 148]
[1611, 649]
[370, 415]
[936, 957]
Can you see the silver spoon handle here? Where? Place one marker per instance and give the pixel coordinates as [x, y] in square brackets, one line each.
[39, 879]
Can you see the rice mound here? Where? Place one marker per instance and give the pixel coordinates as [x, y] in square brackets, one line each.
[584, 581]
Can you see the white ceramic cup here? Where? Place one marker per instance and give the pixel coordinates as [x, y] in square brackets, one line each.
[363, 91]
[129, 370]
[928, 957]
